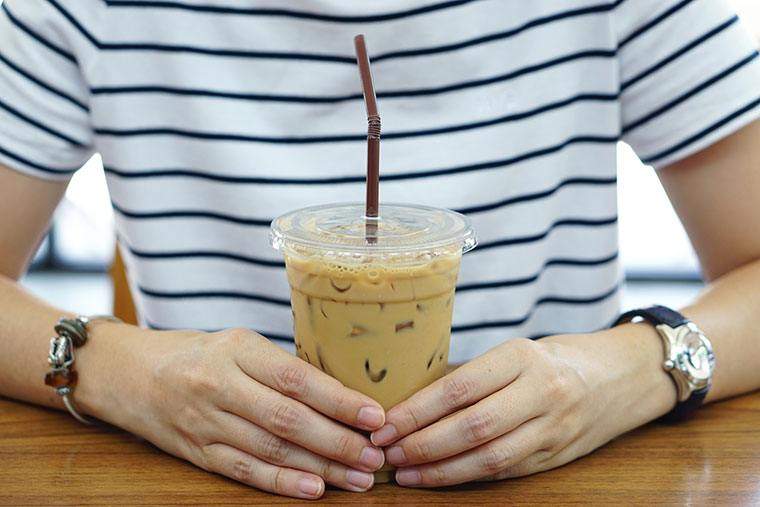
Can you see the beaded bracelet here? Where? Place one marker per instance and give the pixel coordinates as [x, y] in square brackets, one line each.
[62, 376]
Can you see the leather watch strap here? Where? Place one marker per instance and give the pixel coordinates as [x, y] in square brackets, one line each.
[654, 315]
[683, 410]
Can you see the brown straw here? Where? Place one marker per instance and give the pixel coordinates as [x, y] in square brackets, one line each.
[373, 139]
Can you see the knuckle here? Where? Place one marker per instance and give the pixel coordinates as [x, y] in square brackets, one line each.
[559, 387]
[457, 390]
[342, 446]
[324, 467]
[434, 475]
[479, 426]
[243, 469]
[420, 449]
[274, 449]
[567, 428]
[189, 369]
[278, 481]
[179, 368]
[328, 470]
[340, 402]
[291, 379]
[186, 418]
[285, 420]
[410, 416]
[553, 441]
[203, 458]
[538, 461]
[239, 336]
[494, 460]
[203, 383]
[524, 347]
[512, 471]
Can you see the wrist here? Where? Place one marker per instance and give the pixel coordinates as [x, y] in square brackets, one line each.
[623, 368]
[109, 370]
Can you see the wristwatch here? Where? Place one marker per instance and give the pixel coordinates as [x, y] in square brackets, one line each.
[689, 356]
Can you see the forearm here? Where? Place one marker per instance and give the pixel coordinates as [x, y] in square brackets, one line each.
[727, 311]
[26, 326]
[624, 364]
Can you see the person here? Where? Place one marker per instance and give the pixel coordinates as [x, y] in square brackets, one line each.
[213, 117]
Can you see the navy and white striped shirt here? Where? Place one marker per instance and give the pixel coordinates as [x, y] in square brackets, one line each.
[214, 116]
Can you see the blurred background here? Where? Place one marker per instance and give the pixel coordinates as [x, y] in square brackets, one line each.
[70, 269]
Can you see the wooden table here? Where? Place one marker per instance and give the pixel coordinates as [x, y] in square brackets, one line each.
[47, 458]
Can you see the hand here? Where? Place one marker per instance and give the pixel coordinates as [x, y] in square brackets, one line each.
[236, 404]
[523, 407]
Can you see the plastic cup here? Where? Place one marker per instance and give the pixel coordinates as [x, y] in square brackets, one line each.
[376, 314]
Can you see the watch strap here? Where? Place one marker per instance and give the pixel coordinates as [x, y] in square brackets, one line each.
[683, 410]
[655, 315]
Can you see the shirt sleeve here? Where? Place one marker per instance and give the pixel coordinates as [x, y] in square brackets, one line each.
[689, 76]
[44, 112]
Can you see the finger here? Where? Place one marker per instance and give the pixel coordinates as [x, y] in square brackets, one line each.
[488, 419]
[257, 441]
[300, 380]
[300, 424]
[243, 467]
[462, 387]
[488, 459]
[549, 458]
[536, 462]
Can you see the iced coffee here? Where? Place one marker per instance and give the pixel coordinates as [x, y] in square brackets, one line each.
[380, 329]
[375, 315]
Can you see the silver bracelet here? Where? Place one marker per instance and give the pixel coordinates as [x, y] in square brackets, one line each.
[70, 333]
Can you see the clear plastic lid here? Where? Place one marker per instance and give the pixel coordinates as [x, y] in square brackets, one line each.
[401, 229]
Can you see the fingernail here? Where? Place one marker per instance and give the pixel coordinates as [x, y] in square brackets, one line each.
[370, 417]
[309, 487]
[361, 480]
[408, 477]
[372, 458]
[395, 455]
[384, 435]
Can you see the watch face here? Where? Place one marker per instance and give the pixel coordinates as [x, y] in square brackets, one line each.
[697, 357]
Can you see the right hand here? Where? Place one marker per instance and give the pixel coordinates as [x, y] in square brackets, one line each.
[234, 403]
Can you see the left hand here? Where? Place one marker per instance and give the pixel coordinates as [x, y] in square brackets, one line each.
[523, 407]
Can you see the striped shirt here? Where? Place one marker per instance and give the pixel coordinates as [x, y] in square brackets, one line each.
[214, 116]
